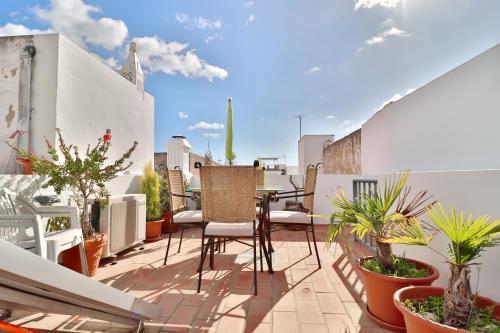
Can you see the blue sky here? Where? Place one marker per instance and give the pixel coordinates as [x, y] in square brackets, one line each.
[335, 61]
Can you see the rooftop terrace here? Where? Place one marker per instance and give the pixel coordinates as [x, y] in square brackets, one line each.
[298, 297]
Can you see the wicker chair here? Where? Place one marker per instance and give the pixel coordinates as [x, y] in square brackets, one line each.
[300, 220]
[181, 215]
[228, 210]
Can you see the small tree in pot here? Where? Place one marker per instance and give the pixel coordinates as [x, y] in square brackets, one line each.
[379, 213]
[84, 176]
[150, 186]
[468, 237]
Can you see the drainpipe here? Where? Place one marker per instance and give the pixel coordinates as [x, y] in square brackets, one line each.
[26, 56]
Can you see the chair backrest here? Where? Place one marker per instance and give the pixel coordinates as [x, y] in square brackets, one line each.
[176, 181]
[310, 187]
[7, 203]
[227, 193]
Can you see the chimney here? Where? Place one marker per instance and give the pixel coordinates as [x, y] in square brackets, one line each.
[132, 70]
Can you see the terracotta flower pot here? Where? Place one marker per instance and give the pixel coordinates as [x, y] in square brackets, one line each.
[93, 252]
[415, 323]
[381, 288]
[26, 163]
[153, 230]
[167, 222]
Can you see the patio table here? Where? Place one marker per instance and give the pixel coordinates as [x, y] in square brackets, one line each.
[268, 194]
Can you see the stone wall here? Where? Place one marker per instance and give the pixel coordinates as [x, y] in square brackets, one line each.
[160, 158]
[343, 157]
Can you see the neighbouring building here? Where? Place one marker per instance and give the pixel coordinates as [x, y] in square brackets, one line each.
[48, 82]
[343, 157]
[311, 150]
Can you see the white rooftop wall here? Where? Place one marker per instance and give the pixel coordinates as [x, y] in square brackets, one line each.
[75, 91]
[92, 97]
[452, 123]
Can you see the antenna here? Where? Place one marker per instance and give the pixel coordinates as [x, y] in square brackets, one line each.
[300, 116]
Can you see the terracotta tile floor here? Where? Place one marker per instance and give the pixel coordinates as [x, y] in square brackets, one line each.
[298, 297]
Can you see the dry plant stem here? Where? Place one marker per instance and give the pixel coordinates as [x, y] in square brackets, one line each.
[457, 297]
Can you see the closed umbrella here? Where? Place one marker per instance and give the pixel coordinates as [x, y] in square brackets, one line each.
[230, 155]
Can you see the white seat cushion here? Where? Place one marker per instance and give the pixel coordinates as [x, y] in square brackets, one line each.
[230, 229]
[188, 216]
[283, 216]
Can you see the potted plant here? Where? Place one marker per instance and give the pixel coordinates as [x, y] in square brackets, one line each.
[166, 204]
[84, 177]
[455, 308]
[378, 213]
[150, 186]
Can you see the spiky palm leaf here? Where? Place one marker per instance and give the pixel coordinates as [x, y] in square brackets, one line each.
[410, 233]
[468, 236]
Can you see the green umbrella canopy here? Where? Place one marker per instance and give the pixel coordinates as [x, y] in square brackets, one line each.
[230, 155]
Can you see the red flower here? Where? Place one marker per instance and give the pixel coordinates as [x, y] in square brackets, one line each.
[107, 137]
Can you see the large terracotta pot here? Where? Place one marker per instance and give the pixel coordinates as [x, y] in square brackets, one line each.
[167, 222]
[93, 252]
[417, 324]
[153, 230]
[381, 288]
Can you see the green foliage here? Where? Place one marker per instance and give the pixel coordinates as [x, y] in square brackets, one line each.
[468, 236]
[165, 201]
[402, 268]
[57, 224]
[377, 213]
[85, 176]
[431, 308]
[150, 186]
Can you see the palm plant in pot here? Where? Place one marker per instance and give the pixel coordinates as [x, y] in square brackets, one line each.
[84, 177]
[379, 213]
[150, 186]
[455, 308]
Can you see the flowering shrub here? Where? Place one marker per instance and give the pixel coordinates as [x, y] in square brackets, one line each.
[84, 176]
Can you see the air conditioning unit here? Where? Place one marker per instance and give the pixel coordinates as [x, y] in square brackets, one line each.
[124, 222]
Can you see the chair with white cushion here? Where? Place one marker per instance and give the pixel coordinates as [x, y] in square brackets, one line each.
[228, 209]
[181, 215]
[300, 219]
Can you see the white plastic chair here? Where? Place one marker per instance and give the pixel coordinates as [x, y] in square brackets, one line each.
[21, 224]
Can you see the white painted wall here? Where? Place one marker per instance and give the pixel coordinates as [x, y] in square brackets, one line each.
[75, 91]
[311, 150]
[449, 124]
[44, 83]
[92, 97]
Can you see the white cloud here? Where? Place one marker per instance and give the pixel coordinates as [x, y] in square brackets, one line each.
[197, 22]
[205, 125]
[73, 19]
[311, 70]
[182, 115]
[350, 127]
[157, 55]
[381, 37]
[395, 98]
[251, 18]
[111, 62]
[372, 3]
[249, 3]
[330, 116]
[213, 37]
[211, 135]
[11, 29]
[388, 23]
